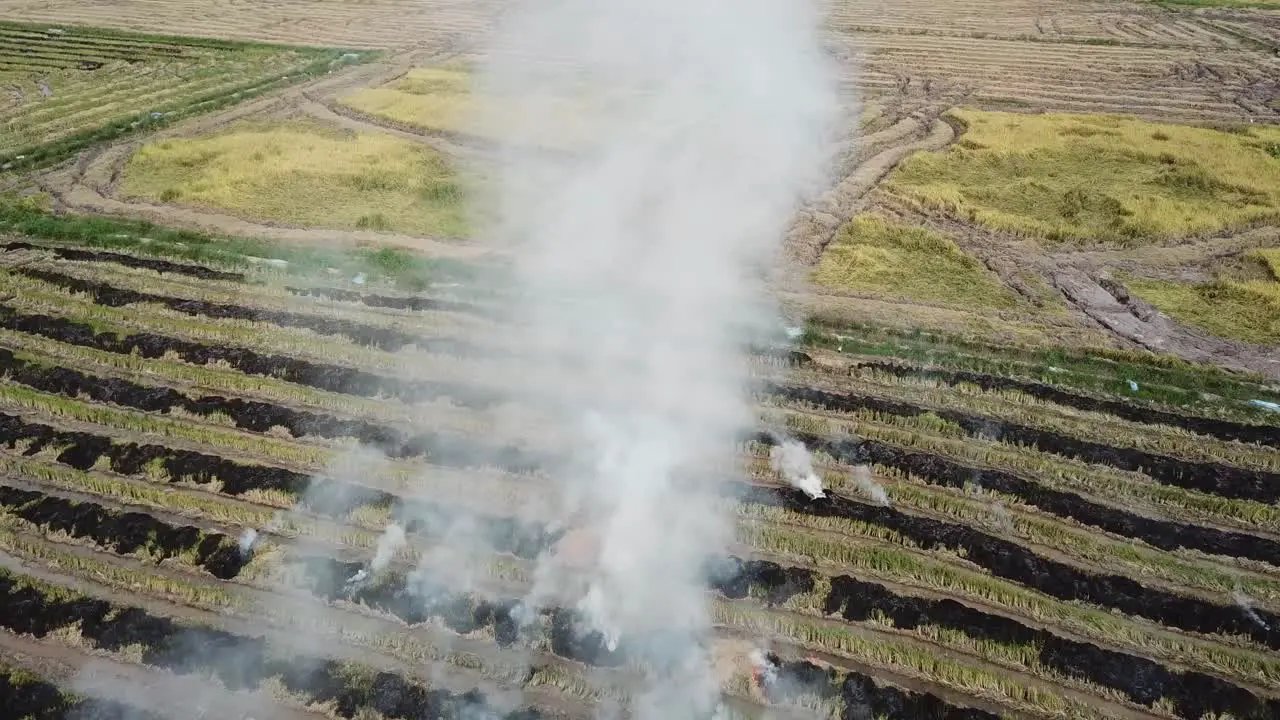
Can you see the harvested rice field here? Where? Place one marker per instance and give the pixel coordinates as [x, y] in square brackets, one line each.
[68, 88]
[267, 448]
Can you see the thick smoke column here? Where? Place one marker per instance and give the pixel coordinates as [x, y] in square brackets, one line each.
[655, 152]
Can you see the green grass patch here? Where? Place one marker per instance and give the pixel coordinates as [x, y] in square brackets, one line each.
[404, 269]
[874, 254]
[1086, 178]
[305, 173]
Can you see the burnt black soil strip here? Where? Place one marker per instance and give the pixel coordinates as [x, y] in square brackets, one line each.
[1221, 429]
[82, 451]
[418, 599]
[393, 302]
[239, 662]
[332, 498]
[862, 698]
[1142, 680]
[255, 416]
[360, 333]
[1011, 561]
[322, 376]
[125, 532]
[163, 266]
[25, 696]
[937, 470]
[1208, 477]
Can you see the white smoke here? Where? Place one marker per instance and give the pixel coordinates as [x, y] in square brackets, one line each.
[247, 540]
[1246, 604]
[644, 252]
[792, 460]
[388, 545]
[867, 485]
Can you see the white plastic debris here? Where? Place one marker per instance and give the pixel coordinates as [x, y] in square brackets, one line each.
[1133, 386]
[359, 279]
[274, 262]
[1266, 405]
[1056, 369]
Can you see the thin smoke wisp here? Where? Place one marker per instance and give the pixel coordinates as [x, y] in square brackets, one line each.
[867, 485]
[651, 154]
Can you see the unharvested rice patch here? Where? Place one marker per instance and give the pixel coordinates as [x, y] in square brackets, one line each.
[1088, 178]
[1239, 309]
[876, 255]
[304, 173]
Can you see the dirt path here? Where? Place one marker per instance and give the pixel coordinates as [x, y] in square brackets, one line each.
[817, 225]
[1139, 322]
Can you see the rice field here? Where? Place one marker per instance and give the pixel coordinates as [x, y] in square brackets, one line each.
[176, 404]
[1036, 378]
[67, 88]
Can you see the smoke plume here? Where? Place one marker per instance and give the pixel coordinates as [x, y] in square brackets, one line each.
[792, 460]
[867, 485]
[388, 545]
[1245, 603]
[642, 244]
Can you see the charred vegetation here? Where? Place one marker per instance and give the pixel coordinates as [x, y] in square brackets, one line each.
[26, 696]
[373, 336]
[126, 532]
[256, 416]
[1207, 477]
[238, 662]
[394, 302]
[322, 376]
[1221, 429]
[1011, 561]
[861, 696]
[418, 597]
[1144, 681]
[163, 266]
[324, 496]
[1162, 534]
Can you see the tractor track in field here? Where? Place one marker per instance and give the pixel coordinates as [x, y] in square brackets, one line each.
[1135, 320]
